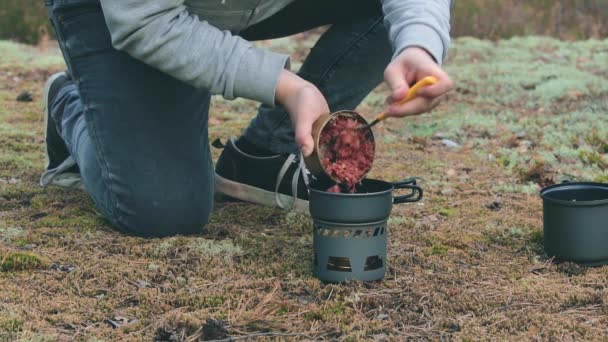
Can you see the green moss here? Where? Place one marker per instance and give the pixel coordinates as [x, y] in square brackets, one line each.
[201, 302]
[84, 222]
[581, 300]
[435, 246]
[447, 212]
[13, 164]
[43, 338]
[9, 324]
[19, 261]
[195, 247]
[598, 140]
[329, 312]
[528, 188]
[602, 178]
[438, 249]
[593, 158]
[537, 236]
[515, 237]
[395, 220]
[10, 234]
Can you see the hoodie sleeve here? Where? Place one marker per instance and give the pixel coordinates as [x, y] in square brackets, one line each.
[422, 23]
[165, 36]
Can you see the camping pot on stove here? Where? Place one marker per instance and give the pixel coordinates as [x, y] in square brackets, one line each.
[575, 222]
[350, 229]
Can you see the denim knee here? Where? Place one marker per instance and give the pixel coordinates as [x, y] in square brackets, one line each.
[147, 214]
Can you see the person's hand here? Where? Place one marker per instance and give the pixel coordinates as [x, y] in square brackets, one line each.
[410, 66]
[304, 103]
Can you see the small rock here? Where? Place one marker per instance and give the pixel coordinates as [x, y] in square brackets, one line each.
[38, 216]
[11, 180]
[119, 321]
[528, 86]
[494, 206]
[439, 135]
[62, 268]
[214, 329]
[526, 143]
[382, 317]
[447, 191]
[142, 284]
[428, 222]
[463, 91]
[68, 326]
[167, 334]
[522, 149]
[450, 143]
[549, 77]
[113, 324]
[451, 173]
[25, 96]
[453, 327]
[29, 246]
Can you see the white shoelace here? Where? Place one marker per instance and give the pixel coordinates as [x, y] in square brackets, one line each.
[294, 181]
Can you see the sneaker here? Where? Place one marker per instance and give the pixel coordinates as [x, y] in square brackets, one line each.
[276, 181]
[61, 169]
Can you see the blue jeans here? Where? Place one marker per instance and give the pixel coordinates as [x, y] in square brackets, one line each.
[139, 136]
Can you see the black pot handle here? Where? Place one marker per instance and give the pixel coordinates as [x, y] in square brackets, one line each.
[414, 196]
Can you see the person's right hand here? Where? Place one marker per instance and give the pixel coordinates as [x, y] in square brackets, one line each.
[409, 67]
[304, 103]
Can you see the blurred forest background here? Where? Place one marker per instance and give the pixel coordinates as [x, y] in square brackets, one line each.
[26, 20]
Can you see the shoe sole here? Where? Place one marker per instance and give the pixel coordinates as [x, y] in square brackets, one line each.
[255, 195]
[45, 105]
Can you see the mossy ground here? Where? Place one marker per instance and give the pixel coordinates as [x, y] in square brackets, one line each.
[466, 263]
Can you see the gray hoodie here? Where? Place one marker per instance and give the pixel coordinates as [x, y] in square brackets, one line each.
[191, 40]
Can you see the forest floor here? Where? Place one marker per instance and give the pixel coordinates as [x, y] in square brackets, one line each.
[466, 263]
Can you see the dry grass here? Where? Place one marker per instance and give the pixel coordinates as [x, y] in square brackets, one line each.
[466, 264]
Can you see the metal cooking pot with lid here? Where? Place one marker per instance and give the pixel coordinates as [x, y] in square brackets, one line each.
[372, 202]
[575, 222]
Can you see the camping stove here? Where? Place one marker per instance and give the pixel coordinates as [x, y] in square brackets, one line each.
[350, 229]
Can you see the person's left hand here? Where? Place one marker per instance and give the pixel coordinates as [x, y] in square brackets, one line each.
[410, 66]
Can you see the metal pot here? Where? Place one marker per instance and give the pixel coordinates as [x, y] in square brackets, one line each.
[575, 222]
[372, 202]
[350, 230]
